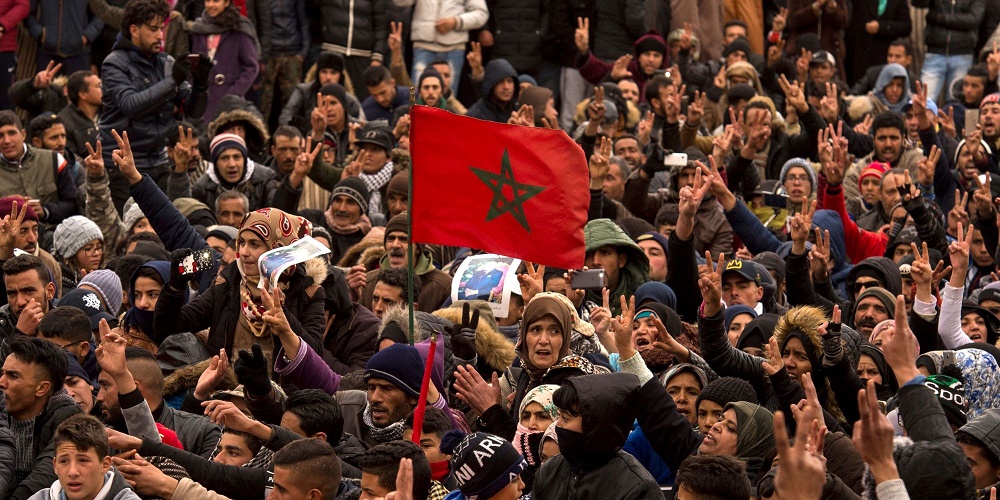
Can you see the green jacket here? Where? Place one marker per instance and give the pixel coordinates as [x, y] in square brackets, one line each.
[602, 232]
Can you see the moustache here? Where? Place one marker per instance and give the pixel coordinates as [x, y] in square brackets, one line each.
[342, 213]
[397, 252]
[867, 323]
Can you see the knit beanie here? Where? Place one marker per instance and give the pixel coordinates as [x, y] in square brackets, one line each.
[73, 234]
[651, 41]
[883, 295]
[109, 285]
[741, 92]
[133, 214]
[226, 141]
[951, 394]
[803, 163]
[989, 294]
[740, 44]
[354, 188]
[657, 237]
[74, 369]
[428, 72]
[482, 464]
[874, 169]
[336, 90]
[400, 365]
[725, 390]
[399, 185]
[7, 205]
[397, 224]
[330, 60]
[536, 97]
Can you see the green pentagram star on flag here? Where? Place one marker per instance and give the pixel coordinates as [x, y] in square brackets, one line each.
[500, 205]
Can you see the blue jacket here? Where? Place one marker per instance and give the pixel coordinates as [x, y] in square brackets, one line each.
[289, 28]
[639, 447]
[375, 112]
[63, 23]
[139, 96]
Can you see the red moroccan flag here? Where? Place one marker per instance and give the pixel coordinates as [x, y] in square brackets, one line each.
[516, 191]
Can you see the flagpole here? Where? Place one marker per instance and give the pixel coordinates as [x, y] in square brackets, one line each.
[409, 226]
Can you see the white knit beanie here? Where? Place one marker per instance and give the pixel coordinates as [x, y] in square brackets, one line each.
[73, 234]
[132, 214]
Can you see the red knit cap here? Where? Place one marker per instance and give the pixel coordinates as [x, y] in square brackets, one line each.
[874, 169]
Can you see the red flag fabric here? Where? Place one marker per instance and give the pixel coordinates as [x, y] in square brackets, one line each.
[516, 191]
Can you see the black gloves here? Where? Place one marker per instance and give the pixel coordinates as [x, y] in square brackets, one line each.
[463, 336]
[200, 72]
[178, 281]
[181, 70]
[654, 163]
[251, 371]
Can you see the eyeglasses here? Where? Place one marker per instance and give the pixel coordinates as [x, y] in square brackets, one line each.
[92, 249]
[797, 178]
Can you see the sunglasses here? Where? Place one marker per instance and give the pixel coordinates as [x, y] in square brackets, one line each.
[858, 286]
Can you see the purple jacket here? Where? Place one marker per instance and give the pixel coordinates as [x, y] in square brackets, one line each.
[236, 66]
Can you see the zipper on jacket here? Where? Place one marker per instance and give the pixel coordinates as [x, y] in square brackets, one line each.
[350, 28]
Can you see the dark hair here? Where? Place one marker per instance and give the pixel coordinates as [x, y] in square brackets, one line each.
[759, 104]
[137, 237]
[383, 461]
[317, 412]
[440, 61]
[149, 272]
[905, 44]
[50, 358]
[139, 12]
[76, 83]
[654, 86]
[67, 323]
[735, 22]
[24, 263]
[126, 265]
[566, 399]
[314, 463]
[375, 75]
[625, 136]
[39, 124]
[714, 477]
[969, 439]
[173, 135]
[888, 119]
[397, 277]
[84, 432]
[435, 422]
[979, 71]
[144, 368]
[8, 117]
[287, 131]
[254, 443]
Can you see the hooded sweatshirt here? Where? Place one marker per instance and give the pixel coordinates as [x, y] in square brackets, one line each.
[885, 77]
[486, 108]
[829, 220]
[601, 232]
[885, 270]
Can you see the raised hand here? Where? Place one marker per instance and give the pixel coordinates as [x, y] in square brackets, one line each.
[44, 78]
[475, 60]
[600, 318]
[304, 161]
[820, 255]
[691, 196]
[982, 198]
[620, 68]
[927, 166]
[317, 117]
[212, 376]
[404, 481]
[711, 285]
[794, 94]
[622, 326]
[774, 53]
[919, 100]
[947, 122]
[907, 190]
[582, 35]
[123, 158]
[94, 162]
[599, 163]
[829, 105]
[958, 253]
[226, 414]
[779, 21]
[864, 126]
[873, 436]
[10, 227]
[993, 62]
[871, 27]
[531, 281]
[474, 391]
[696, 109]
[646, 128]
[595, 108]
[801, 473]
[110, 353]
[354, 168]
[801, 226]
[672, 105]
[395, 39]
[900, 346]
[274, 317]
[183, 149]
[772, 364]
[802, 64]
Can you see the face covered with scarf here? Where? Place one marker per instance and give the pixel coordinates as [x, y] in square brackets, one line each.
[144, 290]
[260, 231]
[536, 413]
[546, 328]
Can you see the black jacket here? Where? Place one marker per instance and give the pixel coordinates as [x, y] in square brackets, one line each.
[139, 96]
[868, 50]
[80, 130]
[356, 27]
[518, 27]
[218, 308]
[289, 27]
[486, 108]
[297, 111]
[196, 432]
[619, 23]
[60, 407]
[952, 25]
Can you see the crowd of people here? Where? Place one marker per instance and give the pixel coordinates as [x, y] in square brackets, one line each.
[791, 204]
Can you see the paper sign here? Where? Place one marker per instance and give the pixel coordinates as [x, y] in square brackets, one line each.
[274, 262]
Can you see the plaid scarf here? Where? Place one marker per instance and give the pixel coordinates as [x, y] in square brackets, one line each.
[375, 182]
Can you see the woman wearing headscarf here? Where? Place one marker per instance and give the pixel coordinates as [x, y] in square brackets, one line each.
[546, 358]
[230, 41]
[144, 291]
[235, 308]
[536, 413]
[892, 89]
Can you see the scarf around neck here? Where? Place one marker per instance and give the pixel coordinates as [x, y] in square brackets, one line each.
[374, 183]
[364, 224]
[391, 432]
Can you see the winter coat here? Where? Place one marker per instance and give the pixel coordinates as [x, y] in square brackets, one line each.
[859, 243]
[117, 490]
[518, 28]
[608, 405]
[139, 96]
[24, 95]
[13, 12]
[559, 45]
[80, 130]
[435, 285]
[101, 211]
[375, 111]
[59, 407]
[469, 14]
[602, 232]
[486, 108]
[289, 28]
[712, 233]
[6, 457]
[356, 28]
[59, 25]
[196, 432]
[619, 24]
[952, 25]
[258, 185]
[235, 65]
[494, 351]
[594, 67]
[232, 482]
[219, 308]
[351, 332]
[44, 175]
[869, 50]
[802, 19]
[299, 106]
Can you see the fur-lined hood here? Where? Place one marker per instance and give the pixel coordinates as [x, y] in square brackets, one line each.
[806, 319]
[491, 345]
[255, 125]
[363, 253]
[186, 378]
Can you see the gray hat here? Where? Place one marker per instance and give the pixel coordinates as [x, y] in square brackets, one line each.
[73, 234]
[132, 214]
[108, 285]
[353, 187]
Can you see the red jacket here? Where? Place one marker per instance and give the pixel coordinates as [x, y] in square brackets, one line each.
[860, 243]
[11, 14]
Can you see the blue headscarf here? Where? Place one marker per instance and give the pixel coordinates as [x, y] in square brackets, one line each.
[657, 292]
